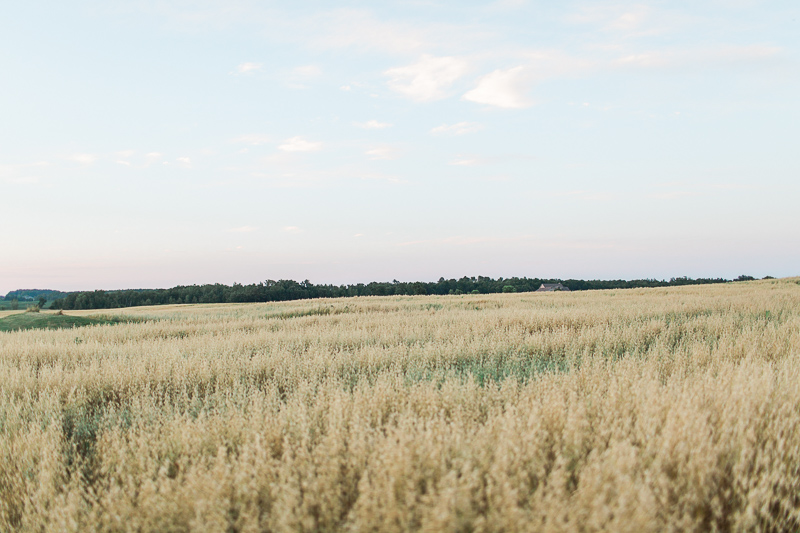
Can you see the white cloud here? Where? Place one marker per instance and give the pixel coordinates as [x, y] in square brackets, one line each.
[501, 88]
[382, 152]
[465, 162]
[300, 76]
[292, 229]
[245, 68]
[184, 161]
[372, 125]
[459, 128]
[126, 153]
[152, 158]
[253, 139]
[83, 159]
[629, 20]
[243, 229]
[428, 79]
[299, 144]
[126, 163]
[307, 72]
[346, 88]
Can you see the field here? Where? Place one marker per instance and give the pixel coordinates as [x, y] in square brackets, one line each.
[673, 409]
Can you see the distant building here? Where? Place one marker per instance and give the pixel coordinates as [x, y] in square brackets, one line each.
[551, 287]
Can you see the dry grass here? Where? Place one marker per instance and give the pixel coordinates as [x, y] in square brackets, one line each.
[643, 410]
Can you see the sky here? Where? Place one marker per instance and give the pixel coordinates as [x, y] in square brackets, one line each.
[155, 143]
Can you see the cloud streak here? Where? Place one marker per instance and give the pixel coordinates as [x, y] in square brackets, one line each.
[246, 68]
[299, 144]
[372, 125]
[253, 139]
[459, 128]
[83, 159]
[382, 152]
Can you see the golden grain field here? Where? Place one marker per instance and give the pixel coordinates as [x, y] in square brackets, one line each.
[672, 409]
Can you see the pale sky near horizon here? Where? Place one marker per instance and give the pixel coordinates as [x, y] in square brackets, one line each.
[151, 144]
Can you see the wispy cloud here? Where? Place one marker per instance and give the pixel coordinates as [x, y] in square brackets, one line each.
[459, 128]
[243, 229]
[184, 161]
[300, 77]
[292, 229]
[508, 4]
[246, 68]
[253, 139]
[502, 88]
[382, 152]
[465, 162]
[152, 158]
[83, 159]
[377, 176]
[428, 79]
[628, 20]
[719, 55]
[299, 144]
[372, 125]
[356, 28]
[307, 71]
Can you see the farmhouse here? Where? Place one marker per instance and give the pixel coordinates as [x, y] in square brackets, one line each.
[550, 287]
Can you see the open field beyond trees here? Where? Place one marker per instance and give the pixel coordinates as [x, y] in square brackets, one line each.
[669, 409]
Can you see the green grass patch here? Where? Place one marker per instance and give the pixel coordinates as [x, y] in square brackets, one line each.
[23, 321]
[316, 311]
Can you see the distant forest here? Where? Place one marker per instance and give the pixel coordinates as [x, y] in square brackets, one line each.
[30, 295]
[282, 290]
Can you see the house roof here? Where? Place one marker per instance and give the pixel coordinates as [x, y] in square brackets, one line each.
[550, 287]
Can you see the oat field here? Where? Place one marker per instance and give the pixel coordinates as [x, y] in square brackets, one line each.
[640, 410]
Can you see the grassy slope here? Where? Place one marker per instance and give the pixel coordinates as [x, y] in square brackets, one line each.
[22, 321]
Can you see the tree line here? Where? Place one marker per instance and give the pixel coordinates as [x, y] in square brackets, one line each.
[282, 290]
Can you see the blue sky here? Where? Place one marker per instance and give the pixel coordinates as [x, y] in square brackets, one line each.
[149, 144]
